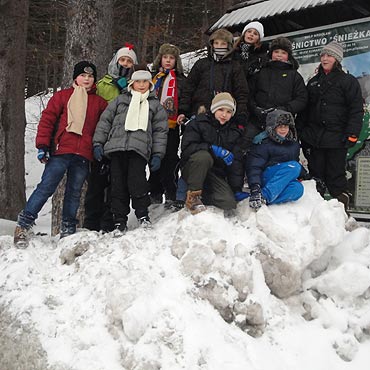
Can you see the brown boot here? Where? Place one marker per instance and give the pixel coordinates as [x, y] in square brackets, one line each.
[194, 202]
[21, 237]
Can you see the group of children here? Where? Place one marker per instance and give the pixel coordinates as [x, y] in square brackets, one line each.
[235, 111]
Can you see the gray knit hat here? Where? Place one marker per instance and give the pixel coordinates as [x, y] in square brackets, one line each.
[334, 49]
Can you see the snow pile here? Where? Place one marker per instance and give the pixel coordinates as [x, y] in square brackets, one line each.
[195, 292]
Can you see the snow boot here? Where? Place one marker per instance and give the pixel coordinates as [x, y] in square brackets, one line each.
[21, 237]
[67, 229]
[194, 202]
[145, 222]
[120, 229]
[156, 198]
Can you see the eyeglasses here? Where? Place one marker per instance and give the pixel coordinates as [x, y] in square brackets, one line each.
[89, 70]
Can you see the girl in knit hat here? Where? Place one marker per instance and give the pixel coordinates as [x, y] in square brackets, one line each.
[331, 123]
[65, 147]
[218, 72]
[168, 84]
[278, 85]
[211, 161]
[250, 50]
[97, 200]
[132, 132]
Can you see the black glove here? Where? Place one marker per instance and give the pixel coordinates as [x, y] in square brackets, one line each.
[256, 200]
[262, 113]
[350, 141]
[241, 119]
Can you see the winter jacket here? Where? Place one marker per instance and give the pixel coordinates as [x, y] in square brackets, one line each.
[207, 78]
[111, 132]
[256, 59]
[267, 154]
[205, 131]
[278, 84]
[51, 132]
[334, 110]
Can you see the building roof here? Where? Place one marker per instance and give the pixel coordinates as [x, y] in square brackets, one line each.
[285, 16]
[264, 9]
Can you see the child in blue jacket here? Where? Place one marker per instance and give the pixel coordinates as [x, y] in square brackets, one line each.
[272, 165]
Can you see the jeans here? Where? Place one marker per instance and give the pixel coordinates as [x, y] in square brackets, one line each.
[77, 169]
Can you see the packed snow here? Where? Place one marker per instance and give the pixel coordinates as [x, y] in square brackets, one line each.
[284, 288]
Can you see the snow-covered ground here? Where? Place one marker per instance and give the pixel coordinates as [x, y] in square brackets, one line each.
[285, 288]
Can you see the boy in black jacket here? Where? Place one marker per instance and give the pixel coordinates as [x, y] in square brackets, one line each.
[211, 161]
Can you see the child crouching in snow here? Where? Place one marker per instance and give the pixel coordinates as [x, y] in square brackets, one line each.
[272, 165]
[132, 131]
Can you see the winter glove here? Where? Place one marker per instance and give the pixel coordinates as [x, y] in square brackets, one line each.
[121, 82]
[98, 152]
[350, 141]
[155, 163]
[224, 154]
[256, 200]
[43, 154]
[240, 195]
[241, 120]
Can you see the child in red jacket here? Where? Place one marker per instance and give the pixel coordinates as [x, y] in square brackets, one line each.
[68, 123]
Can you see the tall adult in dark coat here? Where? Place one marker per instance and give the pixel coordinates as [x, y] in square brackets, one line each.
[332, 121]
[277, 86]
[216, 73]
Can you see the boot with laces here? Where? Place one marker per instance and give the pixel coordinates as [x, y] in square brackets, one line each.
[194, 202]
[21, 237]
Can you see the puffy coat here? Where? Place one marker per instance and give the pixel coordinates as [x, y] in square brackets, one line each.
[52, 132]
[205, 131]
[208, 77]
[278, 84]
[334, 110]
[267, 154]
[111, 132]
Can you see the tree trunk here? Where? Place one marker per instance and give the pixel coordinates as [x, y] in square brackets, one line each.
[89, 35]
[13, 32]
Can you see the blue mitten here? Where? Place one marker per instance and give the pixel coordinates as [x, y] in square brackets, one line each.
[240, 195]
[224, 154]
[43, 154]
[98, 152]
[155, 163]
[256, 200]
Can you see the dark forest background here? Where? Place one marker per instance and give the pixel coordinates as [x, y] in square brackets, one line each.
[145, 23]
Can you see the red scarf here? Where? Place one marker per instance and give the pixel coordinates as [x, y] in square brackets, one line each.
[169, 98]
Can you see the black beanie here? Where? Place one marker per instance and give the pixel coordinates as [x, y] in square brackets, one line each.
[84, 67]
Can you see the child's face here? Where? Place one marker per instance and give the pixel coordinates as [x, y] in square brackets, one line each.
[282, 130]
[327, 62]
[141, 86]
[219, 44]
[280, 54]
[251, 36]
[223, 115]
[85, 80]
[126, 62]
[168, 61]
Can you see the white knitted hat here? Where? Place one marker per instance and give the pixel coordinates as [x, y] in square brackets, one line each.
[257, 26]
[223, 100]
[127, 52]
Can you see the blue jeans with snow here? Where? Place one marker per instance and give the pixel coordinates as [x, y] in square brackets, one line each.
[280, 184]
[77, 169]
